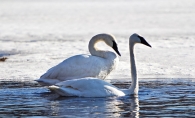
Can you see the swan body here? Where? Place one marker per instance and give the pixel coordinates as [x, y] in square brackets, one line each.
[86, 87]
[93, 87]
[99, 64]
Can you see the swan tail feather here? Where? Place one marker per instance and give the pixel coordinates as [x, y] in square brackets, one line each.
[64, 91]
[47, 82]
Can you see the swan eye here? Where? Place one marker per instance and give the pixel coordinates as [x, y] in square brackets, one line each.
[116, 48]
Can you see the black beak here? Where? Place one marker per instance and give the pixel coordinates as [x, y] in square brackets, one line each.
[116, 48]
[143, 41]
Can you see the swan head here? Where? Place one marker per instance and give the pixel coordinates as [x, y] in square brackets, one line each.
[111, 41]
[107, 38]
[135, 38]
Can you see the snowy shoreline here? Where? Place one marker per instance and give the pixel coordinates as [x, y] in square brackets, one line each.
[29, 60]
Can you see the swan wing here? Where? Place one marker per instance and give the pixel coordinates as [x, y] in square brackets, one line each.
[78, 66]
[86, 87]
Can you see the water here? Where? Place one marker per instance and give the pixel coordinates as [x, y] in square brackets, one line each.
[175, 98]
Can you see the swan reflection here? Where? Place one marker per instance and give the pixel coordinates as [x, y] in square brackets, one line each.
[95, 107]
[129, 107]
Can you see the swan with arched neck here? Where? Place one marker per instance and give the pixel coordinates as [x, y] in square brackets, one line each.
[98, 65]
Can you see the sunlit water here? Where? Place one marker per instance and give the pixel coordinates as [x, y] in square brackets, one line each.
[173, 98]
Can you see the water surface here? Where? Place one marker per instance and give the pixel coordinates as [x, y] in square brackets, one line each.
[157, 98]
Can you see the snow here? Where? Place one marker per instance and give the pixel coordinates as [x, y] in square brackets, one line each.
[38, 34]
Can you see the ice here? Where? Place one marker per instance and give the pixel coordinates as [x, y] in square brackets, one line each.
[38, 34]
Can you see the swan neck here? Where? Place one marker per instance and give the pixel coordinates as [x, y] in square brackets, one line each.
[134, 86]
[92, 46]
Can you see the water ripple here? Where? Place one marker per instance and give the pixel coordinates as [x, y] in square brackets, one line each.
[155, 99]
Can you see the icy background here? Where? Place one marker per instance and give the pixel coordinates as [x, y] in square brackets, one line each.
[38, 34]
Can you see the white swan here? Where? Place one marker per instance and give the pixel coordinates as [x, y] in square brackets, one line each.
[99, 64]
[93, 87]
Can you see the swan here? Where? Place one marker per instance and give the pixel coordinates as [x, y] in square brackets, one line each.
[99, 64]
[94, 87]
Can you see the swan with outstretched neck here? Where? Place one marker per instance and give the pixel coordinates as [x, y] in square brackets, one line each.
[93, 87]
[98, 65]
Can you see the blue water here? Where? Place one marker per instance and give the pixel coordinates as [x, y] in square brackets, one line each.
[175, 98]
